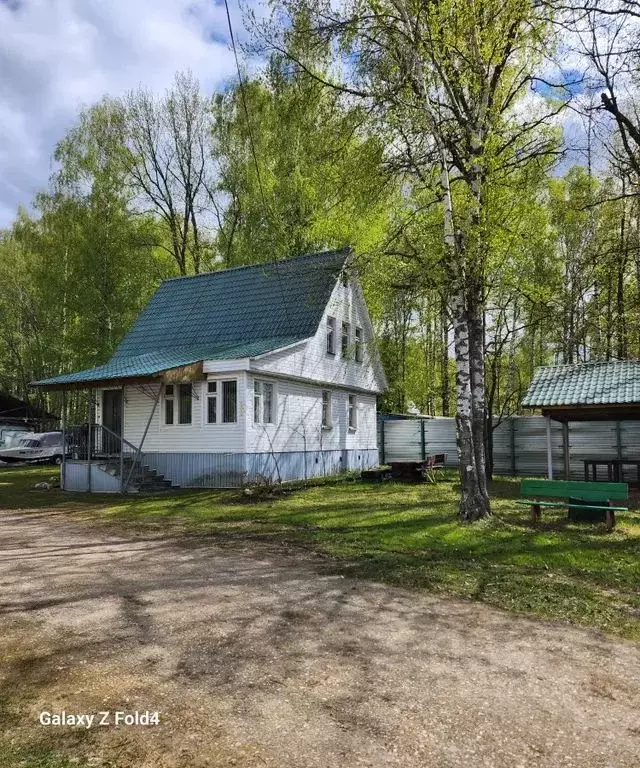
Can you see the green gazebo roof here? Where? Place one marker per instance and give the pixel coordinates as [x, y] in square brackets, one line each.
[611, 383]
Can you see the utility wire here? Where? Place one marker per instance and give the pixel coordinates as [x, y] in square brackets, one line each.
[244, 104]
[253, 152]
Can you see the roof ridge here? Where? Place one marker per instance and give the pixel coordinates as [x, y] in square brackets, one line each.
[585, 363]
[332, 251]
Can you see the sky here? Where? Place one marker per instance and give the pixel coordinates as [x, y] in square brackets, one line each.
[57, 56]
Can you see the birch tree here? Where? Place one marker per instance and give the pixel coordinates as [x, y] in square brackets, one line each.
[446, 79]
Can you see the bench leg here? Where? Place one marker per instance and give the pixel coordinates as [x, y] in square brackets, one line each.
[535, 513]
[610, 515]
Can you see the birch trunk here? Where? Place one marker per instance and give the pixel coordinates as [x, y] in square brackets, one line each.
[479, 425]
[474, 501]
[444, 356]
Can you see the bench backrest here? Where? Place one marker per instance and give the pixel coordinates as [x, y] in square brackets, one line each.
[589, 491]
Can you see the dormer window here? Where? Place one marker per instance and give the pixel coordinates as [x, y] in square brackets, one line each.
[331, 335]
[346, 332]
[358, 345]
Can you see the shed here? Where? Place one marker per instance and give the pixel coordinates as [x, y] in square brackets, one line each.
[16, 411]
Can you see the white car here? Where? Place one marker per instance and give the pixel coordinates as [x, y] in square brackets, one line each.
[32, 446]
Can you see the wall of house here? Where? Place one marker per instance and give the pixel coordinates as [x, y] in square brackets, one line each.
[310, 359]
[230, 455]
[298, 419]
[195, 437]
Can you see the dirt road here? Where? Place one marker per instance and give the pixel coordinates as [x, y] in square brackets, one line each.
[255, 655]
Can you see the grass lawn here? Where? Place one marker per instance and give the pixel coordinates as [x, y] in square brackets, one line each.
[402, 534]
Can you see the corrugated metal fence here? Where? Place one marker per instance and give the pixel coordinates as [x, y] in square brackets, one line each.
[519, 443]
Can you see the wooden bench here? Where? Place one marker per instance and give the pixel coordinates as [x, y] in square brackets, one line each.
[597, 495]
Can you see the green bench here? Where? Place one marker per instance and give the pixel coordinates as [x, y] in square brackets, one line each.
[601, 495]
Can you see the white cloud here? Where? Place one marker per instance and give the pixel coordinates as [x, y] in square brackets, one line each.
[59, 55]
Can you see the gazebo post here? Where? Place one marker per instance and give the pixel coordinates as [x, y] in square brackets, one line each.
[549, 453]
[122, 483]
[565, 445]
[63, 466]
[89, 436]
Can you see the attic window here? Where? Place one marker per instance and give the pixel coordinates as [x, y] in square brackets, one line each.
[346, 332]
[358, 345]
[331, 335]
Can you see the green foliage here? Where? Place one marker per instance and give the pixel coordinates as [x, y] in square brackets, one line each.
[316, 179]
[76, 274]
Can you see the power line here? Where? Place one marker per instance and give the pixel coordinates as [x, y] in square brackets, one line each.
[244, 104]
[255, 156]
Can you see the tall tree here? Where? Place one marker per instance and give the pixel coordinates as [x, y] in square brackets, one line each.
[168, 163]
[295, 170]
[77, 272]
[444, 80]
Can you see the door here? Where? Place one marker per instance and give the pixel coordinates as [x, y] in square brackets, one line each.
[111, 419]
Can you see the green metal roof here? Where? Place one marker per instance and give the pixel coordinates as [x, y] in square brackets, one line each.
[605, 383]
[224, 315]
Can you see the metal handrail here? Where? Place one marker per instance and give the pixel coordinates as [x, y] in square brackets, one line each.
[116, 435]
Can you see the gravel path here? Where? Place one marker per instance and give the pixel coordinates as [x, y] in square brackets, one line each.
[255, 656]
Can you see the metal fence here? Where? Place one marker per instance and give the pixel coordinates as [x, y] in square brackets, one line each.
[519, 443]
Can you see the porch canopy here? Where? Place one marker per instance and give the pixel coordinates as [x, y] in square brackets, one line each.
[598, 391]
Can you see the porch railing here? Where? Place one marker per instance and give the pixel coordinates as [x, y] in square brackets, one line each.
[96, 442]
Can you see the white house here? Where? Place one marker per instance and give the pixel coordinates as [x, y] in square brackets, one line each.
[265, 372]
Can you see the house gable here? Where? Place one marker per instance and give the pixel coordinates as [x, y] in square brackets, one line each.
[310, 361]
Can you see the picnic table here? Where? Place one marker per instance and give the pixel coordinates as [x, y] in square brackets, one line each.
[418, 471]
[614, 468]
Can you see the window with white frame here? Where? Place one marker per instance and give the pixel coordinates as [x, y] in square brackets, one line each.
[222, 401]
[178, 401]
[169, 403]
[326, 409]
[331, 335]
[185, 400]
[353, 413]
[263, 402]
[358, 345]
[212, 402]
[346, 333]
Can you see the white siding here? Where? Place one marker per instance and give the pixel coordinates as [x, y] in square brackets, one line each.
[310, 360]
[298, 415]
[197, 437]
